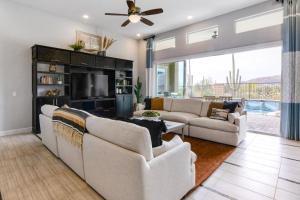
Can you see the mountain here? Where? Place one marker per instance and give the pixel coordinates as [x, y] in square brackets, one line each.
[268, 79]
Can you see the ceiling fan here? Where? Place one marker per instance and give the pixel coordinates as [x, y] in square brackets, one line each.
[135, 15]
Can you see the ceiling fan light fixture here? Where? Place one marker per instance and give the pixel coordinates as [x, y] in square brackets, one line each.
[135, 18]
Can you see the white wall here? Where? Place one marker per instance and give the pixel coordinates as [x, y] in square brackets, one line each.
[228, 39]
[20, 28]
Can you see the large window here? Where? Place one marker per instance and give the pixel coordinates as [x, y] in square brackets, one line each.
[263, 20]
[171, 79]
[203, 35]
[165, 44]
[254, 74]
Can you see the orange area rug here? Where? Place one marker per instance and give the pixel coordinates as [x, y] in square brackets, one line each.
[210, 156]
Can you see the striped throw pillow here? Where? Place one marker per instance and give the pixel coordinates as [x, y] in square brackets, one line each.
[219, 114]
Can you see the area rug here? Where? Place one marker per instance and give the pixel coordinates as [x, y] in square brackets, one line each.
[210, 156]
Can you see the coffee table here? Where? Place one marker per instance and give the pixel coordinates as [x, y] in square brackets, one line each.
[171, 126]
[175, 126]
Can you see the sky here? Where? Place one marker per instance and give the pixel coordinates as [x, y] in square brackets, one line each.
[252, 64]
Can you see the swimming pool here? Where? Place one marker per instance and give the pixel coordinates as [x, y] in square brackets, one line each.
[262, 106]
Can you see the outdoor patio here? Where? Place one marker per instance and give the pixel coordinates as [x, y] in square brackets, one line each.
[263, 123]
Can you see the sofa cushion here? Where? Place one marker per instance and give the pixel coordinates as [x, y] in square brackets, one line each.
[204, 109]
[206, 122]
[48, 110]
[178, 117]
[140, 112]
[166, 146]
[129, 136]
[168, 104]
[157, 104]
[187, 106]
[233, 116]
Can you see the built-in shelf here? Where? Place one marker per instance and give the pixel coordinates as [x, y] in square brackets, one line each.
[55, 73]
[50, 97]
[124, 78]
[41, 84]
[123, 85]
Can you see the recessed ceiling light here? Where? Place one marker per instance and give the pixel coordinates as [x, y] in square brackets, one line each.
[85, 16]
[189, 17]
[138, 35]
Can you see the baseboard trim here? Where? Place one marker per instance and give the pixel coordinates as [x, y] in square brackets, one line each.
[16, 131]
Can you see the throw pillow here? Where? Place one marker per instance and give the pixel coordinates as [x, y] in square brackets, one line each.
[233, 116]
[157, 104]
[212, 105]
[219, 114]
[176, 141]
[231, 106]
[147, 103]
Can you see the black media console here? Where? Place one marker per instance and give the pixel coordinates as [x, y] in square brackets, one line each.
[52, 71]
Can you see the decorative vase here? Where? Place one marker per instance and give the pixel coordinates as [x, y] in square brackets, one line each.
[139, 106]
[52, 68]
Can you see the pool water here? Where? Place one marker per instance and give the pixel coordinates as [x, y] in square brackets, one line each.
[262, 106]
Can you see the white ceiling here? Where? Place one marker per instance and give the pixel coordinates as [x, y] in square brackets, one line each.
[174, 16]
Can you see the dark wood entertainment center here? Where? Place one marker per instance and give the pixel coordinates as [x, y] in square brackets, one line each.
[118, 103]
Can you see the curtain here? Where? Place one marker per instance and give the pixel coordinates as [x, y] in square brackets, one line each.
[149, 66]
[290, 88]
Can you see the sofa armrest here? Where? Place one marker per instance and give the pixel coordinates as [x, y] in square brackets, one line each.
[241, 122]
[172, 174]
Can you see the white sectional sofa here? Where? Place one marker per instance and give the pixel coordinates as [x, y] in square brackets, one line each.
[117, 160]
[193, 113]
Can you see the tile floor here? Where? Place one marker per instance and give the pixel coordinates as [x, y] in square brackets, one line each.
[262, 167]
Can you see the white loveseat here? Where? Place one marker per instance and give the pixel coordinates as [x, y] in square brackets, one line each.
[193, 113]
[117, 160]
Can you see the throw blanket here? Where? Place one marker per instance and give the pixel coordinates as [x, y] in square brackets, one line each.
[156, 128]
[70, 124]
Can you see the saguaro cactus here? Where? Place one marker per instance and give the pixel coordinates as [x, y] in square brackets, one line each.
[234, 79]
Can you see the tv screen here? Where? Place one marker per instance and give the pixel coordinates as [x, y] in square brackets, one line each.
[89, 85]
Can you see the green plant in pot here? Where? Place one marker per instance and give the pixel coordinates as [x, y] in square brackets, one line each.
[77, 46]
[138, 95]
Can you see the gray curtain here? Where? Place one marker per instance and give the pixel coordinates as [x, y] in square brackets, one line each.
[290, 88]
[149, 56]
[149, 65]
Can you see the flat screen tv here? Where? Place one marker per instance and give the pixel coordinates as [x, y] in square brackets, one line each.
[88, 85]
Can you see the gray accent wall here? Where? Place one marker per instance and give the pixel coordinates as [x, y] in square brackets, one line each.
[227, 39]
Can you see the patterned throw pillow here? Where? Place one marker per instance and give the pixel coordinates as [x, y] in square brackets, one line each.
[219, 114]
[212, 105]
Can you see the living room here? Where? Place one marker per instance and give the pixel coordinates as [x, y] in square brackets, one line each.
[144, 100]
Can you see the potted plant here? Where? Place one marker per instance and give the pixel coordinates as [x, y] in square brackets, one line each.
[77, 46]
[138, 95]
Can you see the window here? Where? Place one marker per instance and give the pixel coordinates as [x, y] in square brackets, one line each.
[170, 79]
[165, 44]
[259, 71]
[203, 35]
[263, 20]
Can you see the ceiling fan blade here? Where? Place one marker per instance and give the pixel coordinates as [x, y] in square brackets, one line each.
[125, 23]
[146, 21]
[153, 12]
[131, 5]
[116, 14]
